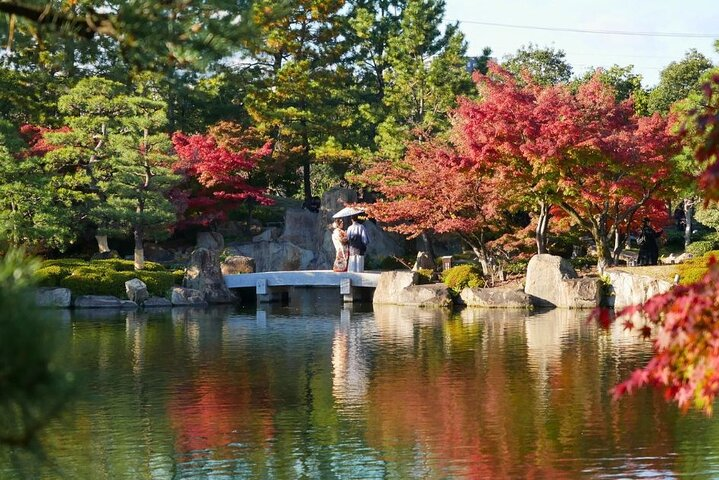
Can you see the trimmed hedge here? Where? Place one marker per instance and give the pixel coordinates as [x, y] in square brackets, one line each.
[106, 277]
[461, 276]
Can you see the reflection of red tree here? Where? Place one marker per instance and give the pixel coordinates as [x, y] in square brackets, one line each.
[215, 410]
[485, 419]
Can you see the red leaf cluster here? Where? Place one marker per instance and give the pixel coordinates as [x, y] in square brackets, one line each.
[38, 145]
[220, 176]
[685, 363]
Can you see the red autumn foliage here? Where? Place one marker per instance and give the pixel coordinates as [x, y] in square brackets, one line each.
[684, 322]
[433, 191]
[583, 151]
[217, 178]
[38, 145]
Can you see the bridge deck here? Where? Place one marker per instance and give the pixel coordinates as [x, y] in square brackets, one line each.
[302, 278]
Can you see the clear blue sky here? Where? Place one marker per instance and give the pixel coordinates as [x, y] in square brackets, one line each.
[648, 54]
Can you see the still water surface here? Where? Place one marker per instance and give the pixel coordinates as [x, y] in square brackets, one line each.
[310, 391]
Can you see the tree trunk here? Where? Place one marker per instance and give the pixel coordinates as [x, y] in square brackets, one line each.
[428, 244]
[102, 245]
[688, 209]
[541, 230]
[139, 249]
[617, 246]
[604, 254]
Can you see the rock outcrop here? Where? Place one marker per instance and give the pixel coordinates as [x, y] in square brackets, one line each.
[204, 274]
[552, 282]
[495, 298]
[53, 297]
[627, 289]
[400, 288]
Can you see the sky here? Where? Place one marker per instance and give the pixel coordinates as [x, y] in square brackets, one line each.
[648, 53]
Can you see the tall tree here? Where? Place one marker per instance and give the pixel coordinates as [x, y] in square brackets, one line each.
[136, 191]
[677, 80]
[546, 66]
[301, 81]
[426, 71]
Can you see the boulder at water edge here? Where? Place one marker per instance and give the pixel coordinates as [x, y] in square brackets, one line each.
[627, 289]
[495, 298]
[399, 288]
[552, 282]
[53, 297]
[136, 290]
[102, 301]
[187, 296]
[204, 274]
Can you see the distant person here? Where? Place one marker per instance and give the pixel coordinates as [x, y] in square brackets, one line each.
[358, 241]
[648, 244]
[339, 240]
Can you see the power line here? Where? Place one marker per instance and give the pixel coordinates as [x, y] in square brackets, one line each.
[598, 32]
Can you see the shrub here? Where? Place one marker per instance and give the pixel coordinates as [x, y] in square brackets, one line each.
[583, 262]
[51, 275]
[106, 277]
[461, 276]
[516, 267]
[425, 276]
[700, 248]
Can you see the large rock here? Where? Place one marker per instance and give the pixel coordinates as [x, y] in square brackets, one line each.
[53, 297]
[187, 296]
[136, 290]
[204, 274]
[627, 289]
[552, 281]
[237, 264]
[399, 288]
[211, 241]
[495, 298]
[275, 256]
[102, 301]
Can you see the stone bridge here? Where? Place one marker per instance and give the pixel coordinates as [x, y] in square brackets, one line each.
[272, 286]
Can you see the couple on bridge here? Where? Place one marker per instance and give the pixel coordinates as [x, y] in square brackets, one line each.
[350, 246]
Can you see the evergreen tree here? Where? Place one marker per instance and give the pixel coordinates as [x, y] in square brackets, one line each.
[678, 80]
[546, 66]
[426, 71]
[136, 191]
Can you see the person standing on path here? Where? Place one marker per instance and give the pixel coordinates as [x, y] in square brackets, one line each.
[358, 241]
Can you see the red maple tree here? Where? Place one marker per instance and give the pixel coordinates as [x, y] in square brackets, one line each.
[582, 151]
[217, 178]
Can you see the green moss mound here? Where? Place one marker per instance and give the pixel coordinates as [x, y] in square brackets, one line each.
[462, 276]
[106, 277]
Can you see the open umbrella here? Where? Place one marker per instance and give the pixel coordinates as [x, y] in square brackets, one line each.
[347, 212]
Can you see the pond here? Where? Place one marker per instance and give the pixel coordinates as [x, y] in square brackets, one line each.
[315, 390]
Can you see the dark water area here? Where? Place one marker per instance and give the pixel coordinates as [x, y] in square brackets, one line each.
[313, 390]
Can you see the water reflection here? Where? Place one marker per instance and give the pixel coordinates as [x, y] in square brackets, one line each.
[293, 391]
